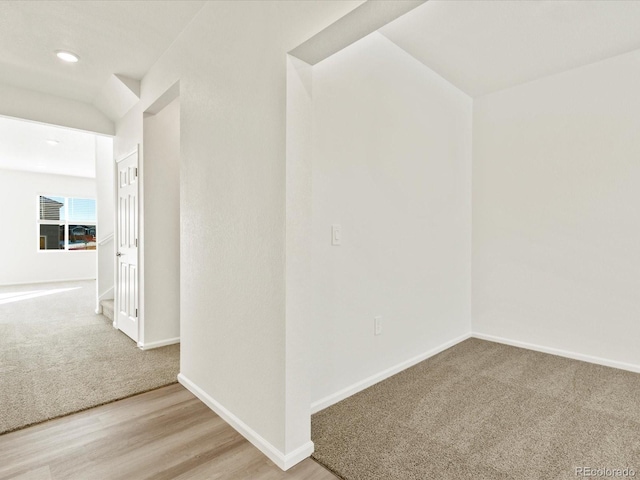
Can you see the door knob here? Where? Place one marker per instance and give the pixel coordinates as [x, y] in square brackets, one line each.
[118, 254]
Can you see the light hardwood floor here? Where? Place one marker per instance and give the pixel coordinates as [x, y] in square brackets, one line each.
[163, 434]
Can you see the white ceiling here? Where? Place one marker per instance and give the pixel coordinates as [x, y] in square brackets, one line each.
[479, 46]
[485, 46]
[111, 37]
[23, 146]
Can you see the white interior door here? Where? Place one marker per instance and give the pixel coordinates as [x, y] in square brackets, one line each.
[127, 284]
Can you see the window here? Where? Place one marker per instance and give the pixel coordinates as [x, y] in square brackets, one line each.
[66, 223]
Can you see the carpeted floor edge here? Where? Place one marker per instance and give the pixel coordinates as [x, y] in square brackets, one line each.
[326, 467]
[55, 417]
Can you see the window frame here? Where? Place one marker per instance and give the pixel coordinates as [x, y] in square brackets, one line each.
[65, 222]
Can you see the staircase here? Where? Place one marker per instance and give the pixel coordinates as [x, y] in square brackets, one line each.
[107, 308]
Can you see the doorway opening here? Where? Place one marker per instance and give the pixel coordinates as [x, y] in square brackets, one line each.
[148, 230]
[58, 354]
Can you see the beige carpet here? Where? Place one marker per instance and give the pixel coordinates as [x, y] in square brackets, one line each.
[58, 357]
[482, 410]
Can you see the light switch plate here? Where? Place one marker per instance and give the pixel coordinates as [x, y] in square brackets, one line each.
[336, 234]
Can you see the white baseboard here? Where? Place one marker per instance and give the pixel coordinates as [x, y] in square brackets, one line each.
[378, 377]
[107, 295]
[276, 456]
[158, 344]
[299, 454]
[557, 351]
[39, 282]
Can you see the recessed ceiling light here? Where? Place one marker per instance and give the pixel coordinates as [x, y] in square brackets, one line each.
[51, 141]
[67, 56]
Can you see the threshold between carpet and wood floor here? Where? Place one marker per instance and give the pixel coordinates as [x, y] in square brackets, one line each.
[483, 410]
[165, 434]
[57, 356]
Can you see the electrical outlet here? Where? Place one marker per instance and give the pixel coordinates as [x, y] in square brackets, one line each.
[377, 325]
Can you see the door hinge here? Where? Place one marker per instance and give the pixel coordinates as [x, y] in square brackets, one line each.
[136, 242]
[136, 313]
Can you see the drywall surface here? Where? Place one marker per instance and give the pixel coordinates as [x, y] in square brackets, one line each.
[231, 64]
[44, 108]
[556, 228]
[392, 167]
[105, 205]
[22, 261]
[298, 243]
[161, 230]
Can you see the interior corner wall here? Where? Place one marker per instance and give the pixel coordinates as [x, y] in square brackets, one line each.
[232, 205]
[22, 261]
[161, 230]
[556, 230]
[392, 166]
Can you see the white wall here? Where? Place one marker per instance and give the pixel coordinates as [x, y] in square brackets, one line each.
[392, 166]
[298, 250]
[22, 261]
[556, 228]
[231, 64]
[105, 205]
[161, 225]
[44, 108]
